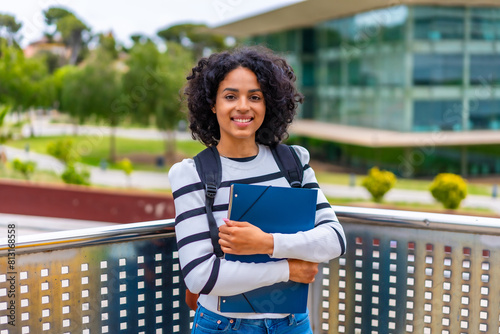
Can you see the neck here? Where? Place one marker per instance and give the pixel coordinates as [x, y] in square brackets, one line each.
[238, 152]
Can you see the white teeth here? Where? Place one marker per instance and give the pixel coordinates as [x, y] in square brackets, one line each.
[239, 120]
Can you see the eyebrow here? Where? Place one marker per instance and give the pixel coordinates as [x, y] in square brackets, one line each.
[237, 90]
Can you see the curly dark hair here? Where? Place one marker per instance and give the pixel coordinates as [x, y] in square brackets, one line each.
[276, 79]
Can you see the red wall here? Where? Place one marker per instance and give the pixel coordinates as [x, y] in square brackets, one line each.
[78, 202]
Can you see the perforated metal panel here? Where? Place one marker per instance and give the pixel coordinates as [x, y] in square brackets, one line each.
[411, 280]
[124, 287]
[403, 272]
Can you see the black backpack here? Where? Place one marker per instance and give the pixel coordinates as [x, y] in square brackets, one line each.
[209, 169]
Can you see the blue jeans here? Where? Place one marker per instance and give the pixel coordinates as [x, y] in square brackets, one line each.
[206, 321]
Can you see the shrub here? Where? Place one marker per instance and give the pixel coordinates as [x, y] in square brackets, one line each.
[62, 149]
[378, 183]
[27, 168]
[126, 166]
[72, 175]
[449, 189]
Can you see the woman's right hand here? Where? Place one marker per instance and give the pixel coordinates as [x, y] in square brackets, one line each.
[302, 271]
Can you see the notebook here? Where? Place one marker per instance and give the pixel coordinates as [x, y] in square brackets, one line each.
[273, 210]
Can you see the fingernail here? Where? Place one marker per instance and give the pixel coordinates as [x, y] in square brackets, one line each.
[225, 220]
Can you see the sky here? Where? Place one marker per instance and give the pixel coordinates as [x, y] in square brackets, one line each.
[128, 17]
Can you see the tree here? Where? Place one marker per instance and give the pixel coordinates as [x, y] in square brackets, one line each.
[9, 28]
[195, 37]
[151, 87]
[70, 28]
[24, 82]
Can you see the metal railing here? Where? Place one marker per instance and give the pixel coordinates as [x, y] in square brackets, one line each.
[404, 272]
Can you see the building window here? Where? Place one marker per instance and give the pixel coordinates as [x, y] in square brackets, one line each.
[484, 69]
[333, 76]
[308, 41]
[484, 114]
[308, 77]
[308, 107]
[485, 24]
[438, 69]
[437, 115]
[438, 23]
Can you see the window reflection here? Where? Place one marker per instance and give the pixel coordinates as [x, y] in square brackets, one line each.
[484, 114]
[484, 69]
[485, 24]
[437, 115]
[438, 69]
[437, 23]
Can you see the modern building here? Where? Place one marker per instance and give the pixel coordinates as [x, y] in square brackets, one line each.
[409, 85]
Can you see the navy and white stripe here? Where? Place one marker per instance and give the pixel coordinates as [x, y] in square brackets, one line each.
[213, 277]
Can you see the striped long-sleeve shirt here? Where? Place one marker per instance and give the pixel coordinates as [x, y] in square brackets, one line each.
[213, 277]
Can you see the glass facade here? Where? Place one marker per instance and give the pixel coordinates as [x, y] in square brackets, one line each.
[438, 69]
[439, 23]
[403, 68]
[484, 114]
[437, 115]
[484, 69]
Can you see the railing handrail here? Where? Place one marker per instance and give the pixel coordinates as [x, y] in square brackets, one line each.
[416, 219]
[88, 236]
[122, 232]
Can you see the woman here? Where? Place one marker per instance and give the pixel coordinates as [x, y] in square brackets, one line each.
[242, 102]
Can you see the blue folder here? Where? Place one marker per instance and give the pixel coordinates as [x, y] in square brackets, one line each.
[273, 210]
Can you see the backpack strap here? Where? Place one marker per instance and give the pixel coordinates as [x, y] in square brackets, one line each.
[209, 170]
[289, 164]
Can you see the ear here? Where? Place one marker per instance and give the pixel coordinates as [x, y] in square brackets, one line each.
[213, 110]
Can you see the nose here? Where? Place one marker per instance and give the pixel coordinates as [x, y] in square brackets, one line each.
[243, 105]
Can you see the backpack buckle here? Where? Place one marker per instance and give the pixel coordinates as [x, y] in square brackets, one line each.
[295, 184]
[211, 190]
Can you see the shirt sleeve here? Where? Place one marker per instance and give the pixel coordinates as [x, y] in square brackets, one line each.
[203, 272]
[326, 240]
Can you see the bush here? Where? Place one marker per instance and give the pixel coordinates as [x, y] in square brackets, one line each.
[62, 149]
[378, 183]
[72, 175]
[449, 189]
[27, 168]
[126, 166]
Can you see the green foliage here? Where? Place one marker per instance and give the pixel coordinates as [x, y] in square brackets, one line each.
[378, 183]
[71, 29]
[449, 189]
[5, 134]
[9, 24]
[199, 38]
[62, 149]
[152, 86]
[27, 168]
[74, 175]
[24, 82]
[126, 166]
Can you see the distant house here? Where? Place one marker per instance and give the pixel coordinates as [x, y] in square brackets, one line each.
[44, 45]
[409, 85]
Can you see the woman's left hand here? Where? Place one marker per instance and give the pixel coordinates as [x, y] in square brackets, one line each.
[243, 238]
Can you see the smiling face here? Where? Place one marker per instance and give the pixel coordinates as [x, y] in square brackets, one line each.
[240, 110]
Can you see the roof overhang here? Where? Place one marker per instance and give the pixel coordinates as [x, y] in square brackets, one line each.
[310, 12]
[375, 138]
